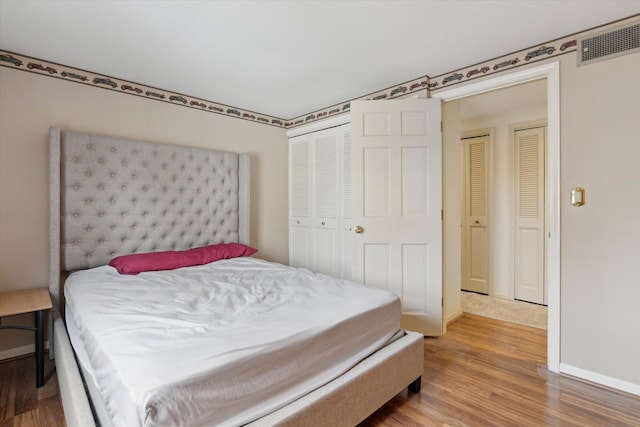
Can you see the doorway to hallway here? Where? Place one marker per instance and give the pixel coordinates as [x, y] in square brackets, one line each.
[550, 73]
[502, 191]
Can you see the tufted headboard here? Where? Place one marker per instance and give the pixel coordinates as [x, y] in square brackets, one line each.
[112, 196]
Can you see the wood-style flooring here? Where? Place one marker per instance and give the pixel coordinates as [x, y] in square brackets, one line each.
[486, 372]
[24, 405]
[483, 372]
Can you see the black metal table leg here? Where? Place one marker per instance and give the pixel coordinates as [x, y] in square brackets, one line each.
[39, 348]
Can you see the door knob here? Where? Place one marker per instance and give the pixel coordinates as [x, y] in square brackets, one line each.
[477, 222]
[358, 229]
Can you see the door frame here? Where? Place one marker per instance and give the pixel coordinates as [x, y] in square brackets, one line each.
[551, 72]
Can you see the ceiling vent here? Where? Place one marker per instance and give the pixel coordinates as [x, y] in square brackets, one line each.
[610, 44]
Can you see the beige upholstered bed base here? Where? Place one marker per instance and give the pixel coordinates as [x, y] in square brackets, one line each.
[345, 401]
[103, 204]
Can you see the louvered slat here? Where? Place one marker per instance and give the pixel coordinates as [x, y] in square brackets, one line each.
[326, 177]
[300, 179]
[528, 177]
[346, 181]
[477, 179]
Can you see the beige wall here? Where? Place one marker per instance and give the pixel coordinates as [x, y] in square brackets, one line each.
[452, 206]
[600, 241]
[30, 104]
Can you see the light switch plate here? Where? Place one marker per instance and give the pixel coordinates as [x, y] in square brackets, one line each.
[577, 196]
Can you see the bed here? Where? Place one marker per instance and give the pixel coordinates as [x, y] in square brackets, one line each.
[111, 197]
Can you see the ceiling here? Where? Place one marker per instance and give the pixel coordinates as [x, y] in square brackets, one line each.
[287, 58]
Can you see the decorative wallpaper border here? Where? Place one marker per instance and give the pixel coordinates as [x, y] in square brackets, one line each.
[545, 51]
[502, 63]
[412, 86]
[499, 64]
[76, 75]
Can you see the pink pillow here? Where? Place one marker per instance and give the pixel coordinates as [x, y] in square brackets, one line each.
[169, 260]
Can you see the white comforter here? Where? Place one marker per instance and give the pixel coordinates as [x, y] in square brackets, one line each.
[223, 343]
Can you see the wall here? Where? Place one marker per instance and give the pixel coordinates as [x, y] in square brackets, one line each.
[452, 206]
[600, 241]
[30, 104]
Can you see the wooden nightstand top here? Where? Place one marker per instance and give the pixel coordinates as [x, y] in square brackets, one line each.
[25, 301]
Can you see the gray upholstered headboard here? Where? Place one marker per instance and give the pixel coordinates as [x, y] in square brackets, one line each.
[112, 196]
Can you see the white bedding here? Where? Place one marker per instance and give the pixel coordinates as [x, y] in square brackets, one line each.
[220, 344]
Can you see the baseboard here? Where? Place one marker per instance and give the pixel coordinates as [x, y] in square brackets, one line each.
[20, 351]
[600, 379]
[454, 317]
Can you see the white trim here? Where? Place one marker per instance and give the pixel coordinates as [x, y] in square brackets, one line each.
[500, 82]
[455, 316]
[600, 379]
[20, 351]
[322, 124]
[550, 71]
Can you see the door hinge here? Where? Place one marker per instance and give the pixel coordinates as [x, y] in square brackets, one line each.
[441, 127]
[441, 215]
[442, 302]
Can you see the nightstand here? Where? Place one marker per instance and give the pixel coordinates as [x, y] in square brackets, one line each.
[36, 301]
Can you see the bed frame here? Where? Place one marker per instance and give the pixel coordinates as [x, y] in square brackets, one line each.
[111, 196]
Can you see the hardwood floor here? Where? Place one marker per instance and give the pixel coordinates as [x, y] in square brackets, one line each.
[24, 405]
[486, 372]
[483, 372]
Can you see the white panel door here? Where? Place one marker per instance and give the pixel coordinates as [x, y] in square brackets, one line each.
[397, 201]
[476, 244]
[529, 233]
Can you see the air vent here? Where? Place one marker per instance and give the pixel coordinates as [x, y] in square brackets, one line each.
[610, 44]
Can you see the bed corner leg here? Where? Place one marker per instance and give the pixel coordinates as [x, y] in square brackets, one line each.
[415, 386]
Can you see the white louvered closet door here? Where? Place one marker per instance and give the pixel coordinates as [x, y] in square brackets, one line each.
[300, 237]
[476, 259]
[320, 236]
[325, 218]
[529, 218]
[346, 247]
